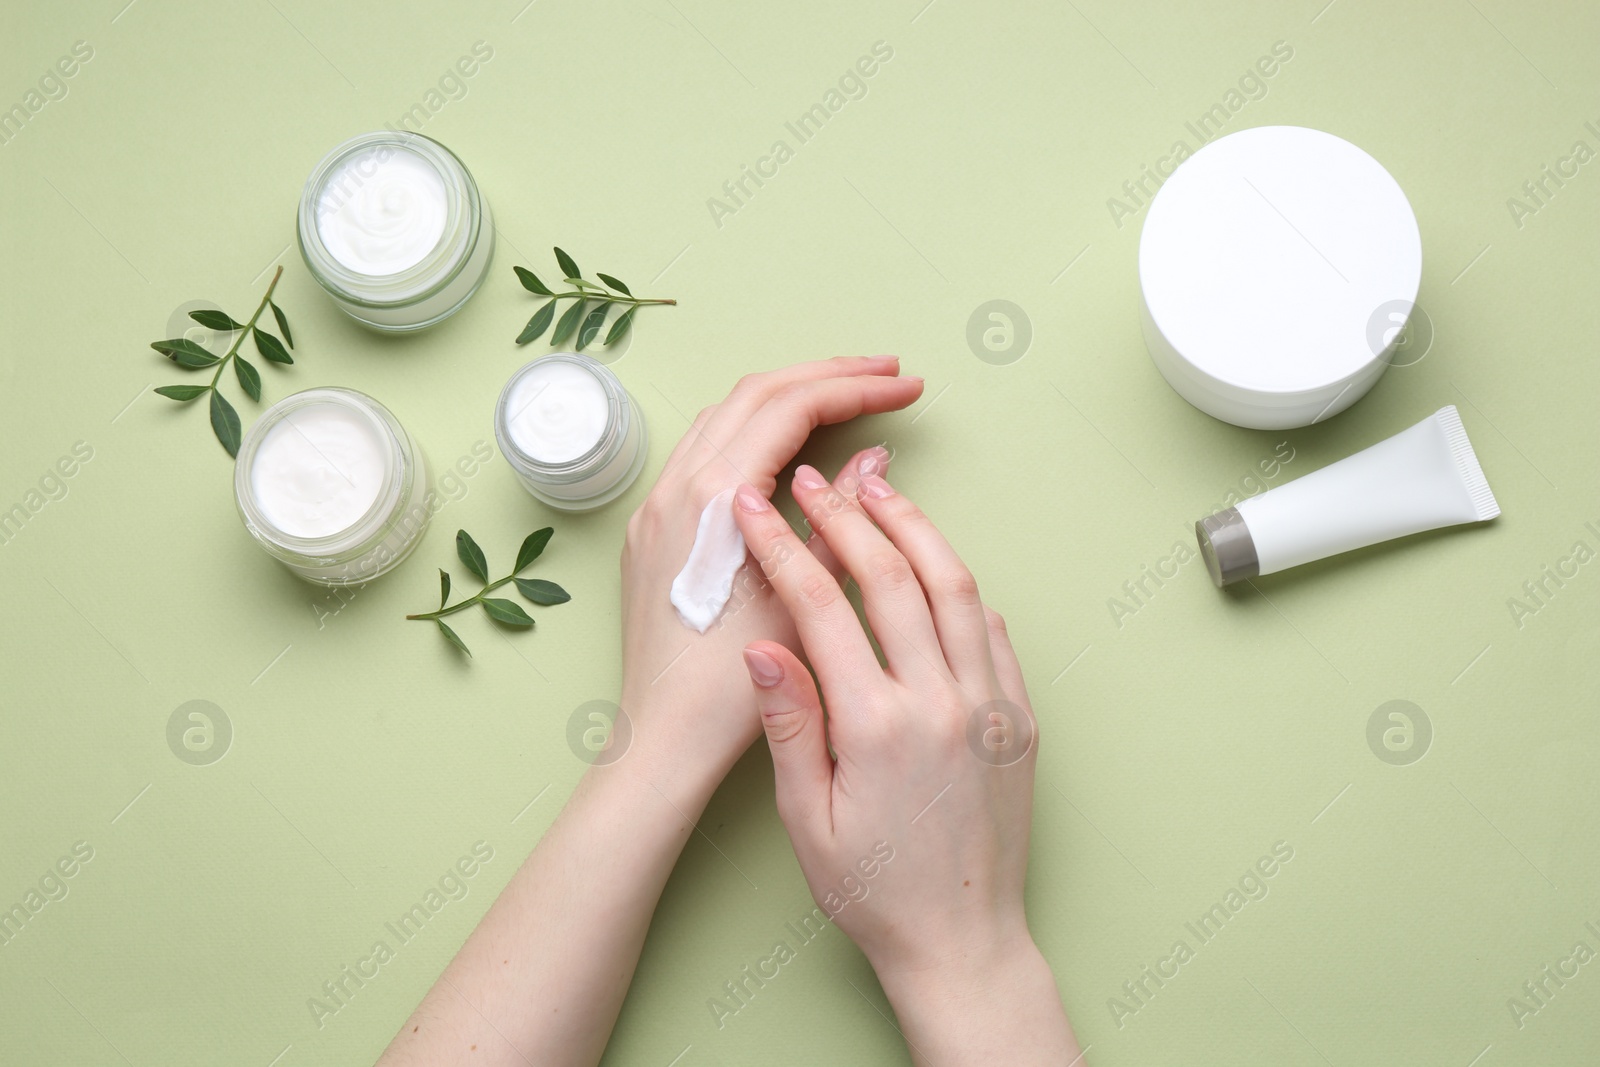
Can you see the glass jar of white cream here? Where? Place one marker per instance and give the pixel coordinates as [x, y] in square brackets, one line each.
[570, 431]
[394, 228]
[332, 486]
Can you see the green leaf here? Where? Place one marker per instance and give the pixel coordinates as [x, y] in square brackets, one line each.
[451, 634]
[185, 352]
[592, 324]
[270, 347]
[530, 281]
[225, 421]
[591, 287]
[542, 592]
[506, 611]
[183, 392]
[569, 269]
[444, 586]
[215, 320]
[472, 555]
[618, 286]
[249, 378]
[620, 327]
[538, 324]
[283, 323]
[568, 323]
[532, 545]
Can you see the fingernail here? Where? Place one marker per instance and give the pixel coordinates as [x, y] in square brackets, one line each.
[874, 461]
[749, 499]
[764, 670]
[808, 477]
[875, 487]
[911, 378]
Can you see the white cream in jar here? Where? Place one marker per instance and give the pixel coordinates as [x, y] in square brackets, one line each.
[570, 431]
[330, 484]
[382, 211]
[393, 226]
[556, 412]
[317, 470]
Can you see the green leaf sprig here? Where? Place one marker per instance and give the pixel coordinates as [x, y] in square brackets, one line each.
[191, 356]
[500, 610]
[591, 304]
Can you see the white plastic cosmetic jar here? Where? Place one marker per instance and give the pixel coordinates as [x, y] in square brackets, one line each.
[332, 486]
[1277, 269]
[393, 226]
[570, 431]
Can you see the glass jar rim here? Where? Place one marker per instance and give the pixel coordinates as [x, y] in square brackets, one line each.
[374, 523]
[435, 271]
[618, 414]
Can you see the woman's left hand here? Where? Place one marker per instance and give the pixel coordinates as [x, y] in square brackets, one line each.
[685, 693]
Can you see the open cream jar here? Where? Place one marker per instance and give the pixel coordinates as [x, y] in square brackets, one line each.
[394, 228]
[1273, 267]
[570, 431]
[332, 486]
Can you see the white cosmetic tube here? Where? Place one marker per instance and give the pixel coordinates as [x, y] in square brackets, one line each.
[1420, 479]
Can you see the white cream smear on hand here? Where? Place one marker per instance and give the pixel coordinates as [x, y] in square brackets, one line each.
[382, 211]
[558, 412]
[318, 471]
[701, 590]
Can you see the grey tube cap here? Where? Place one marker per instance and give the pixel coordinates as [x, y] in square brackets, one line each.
[1227, 548]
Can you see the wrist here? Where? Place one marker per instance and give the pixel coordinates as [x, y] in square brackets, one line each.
[994, 1002]
[953, 972]
[679, 752]
[690, 736]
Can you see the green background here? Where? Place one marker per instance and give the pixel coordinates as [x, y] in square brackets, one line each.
[1179, 746]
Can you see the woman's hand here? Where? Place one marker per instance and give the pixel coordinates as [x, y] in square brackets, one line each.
[915, 839]
[683, 690]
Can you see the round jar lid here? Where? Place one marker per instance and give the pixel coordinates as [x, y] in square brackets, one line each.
[1276, 268]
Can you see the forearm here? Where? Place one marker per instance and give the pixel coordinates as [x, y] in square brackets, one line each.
[984, 1008]
[543, 977]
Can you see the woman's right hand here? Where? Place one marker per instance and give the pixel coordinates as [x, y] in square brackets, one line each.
[915, 838]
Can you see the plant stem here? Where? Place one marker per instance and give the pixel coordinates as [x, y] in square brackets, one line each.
[597, 294]
[453, 608]
[239, 340]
